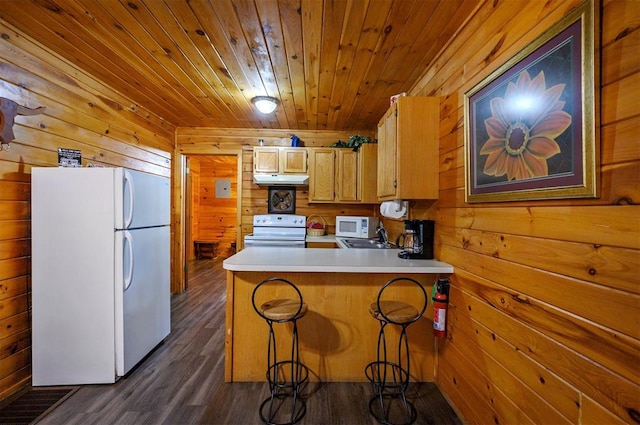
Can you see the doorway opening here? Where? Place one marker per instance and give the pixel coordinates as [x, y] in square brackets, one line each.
[211, 192]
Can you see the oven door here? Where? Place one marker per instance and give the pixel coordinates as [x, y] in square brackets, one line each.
[250, 240]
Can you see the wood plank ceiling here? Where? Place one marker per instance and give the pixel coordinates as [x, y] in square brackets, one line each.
[332, 64]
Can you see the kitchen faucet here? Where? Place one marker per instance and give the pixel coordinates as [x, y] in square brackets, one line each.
[382, 233]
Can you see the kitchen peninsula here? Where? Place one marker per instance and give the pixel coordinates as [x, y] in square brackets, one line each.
[338, 336]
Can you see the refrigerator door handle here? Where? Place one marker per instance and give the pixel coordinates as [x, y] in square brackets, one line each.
[128, 182]
[128, 240]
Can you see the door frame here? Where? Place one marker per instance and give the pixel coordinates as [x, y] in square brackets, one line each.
[181, 197]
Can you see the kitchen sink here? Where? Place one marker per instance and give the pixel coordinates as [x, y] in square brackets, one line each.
[366, 244]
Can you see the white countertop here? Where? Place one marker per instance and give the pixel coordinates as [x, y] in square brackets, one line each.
[323, 238]
[258, 259]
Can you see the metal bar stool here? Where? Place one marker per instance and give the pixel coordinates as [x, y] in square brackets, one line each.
[391, 379]
[283, 388]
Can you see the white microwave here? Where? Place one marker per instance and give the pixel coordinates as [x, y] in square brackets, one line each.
[356, 227]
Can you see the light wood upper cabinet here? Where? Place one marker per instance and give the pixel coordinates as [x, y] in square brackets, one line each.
[274, 159]
[338, 175]
[368, 173]
[408, 150]
[347, 175]
[293, 160]
[322, 174]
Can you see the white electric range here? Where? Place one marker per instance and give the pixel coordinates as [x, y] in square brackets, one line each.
[278, 230]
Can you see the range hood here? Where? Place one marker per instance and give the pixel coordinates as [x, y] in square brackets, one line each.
[281, 179]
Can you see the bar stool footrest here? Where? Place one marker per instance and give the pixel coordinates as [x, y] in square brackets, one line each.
[279, 410]
[392, 410]
[387, 377]
[282, 369]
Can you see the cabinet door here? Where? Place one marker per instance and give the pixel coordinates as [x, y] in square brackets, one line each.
[293, 160]
[347, 184]
[265, 160]
[321, 174]
[368, 173]
[417, 148]
[387, 132]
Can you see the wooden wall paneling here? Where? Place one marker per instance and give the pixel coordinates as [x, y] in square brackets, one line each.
[594, 413]
[15, 324]
[571, 366]
[438, 27]
[14, 191]
[480, 339]
[571, 223]
[221, 138]
[14, 267]
[15, 248]
[526, 271]
[106, 137]
[502, 393]
[614, 151]
[194, 207]
[45, 24]
[455, 385]
[623, 52]
[13, 171]
[563, 318]
[20, 341]
[216, 218]
[487, 40]
[44, 68]
[13, 287]
[20, 360]
[94, 155]
[618, 182]
[19, 378]
[15, 336]
[13, 210]
[605, 265]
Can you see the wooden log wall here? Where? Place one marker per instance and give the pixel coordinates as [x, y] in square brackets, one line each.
[81, 114]
[544, 319]
[214, 218]
[209, 141]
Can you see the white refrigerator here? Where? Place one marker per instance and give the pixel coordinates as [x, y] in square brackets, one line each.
[100, 272]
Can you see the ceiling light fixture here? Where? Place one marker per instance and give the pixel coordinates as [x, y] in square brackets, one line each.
[265, 104]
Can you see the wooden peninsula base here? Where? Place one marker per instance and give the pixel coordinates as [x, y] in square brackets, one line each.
[338, 336]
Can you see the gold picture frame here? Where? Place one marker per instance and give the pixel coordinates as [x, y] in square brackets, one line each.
[531, 126]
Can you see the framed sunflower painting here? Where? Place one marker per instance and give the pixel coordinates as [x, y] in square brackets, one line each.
[531, 127]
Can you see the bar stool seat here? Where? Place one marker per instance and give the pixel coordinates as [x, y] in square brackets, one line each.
[283, 309]
[395, 311]
[285, 405]
[390, 379]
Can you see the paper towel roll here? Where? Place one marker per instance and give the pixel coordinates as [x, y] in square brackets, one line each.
[393, 209]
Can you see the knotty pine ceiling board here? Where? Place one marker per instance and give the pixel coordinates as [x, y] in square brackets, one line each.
[332, 64]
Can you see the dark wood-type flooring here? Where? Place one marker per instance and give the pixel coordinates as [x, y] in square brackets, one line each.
[182, 381]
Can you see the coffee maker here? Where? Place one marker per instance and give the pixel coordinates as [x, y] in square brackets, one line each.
[417, 239]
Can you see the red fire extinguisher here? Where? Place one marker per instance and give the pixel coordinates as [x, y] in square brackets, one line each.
[440, 300]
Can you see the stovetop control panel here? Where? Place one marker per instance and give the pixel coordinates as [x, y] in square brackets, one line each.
[279, 220]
